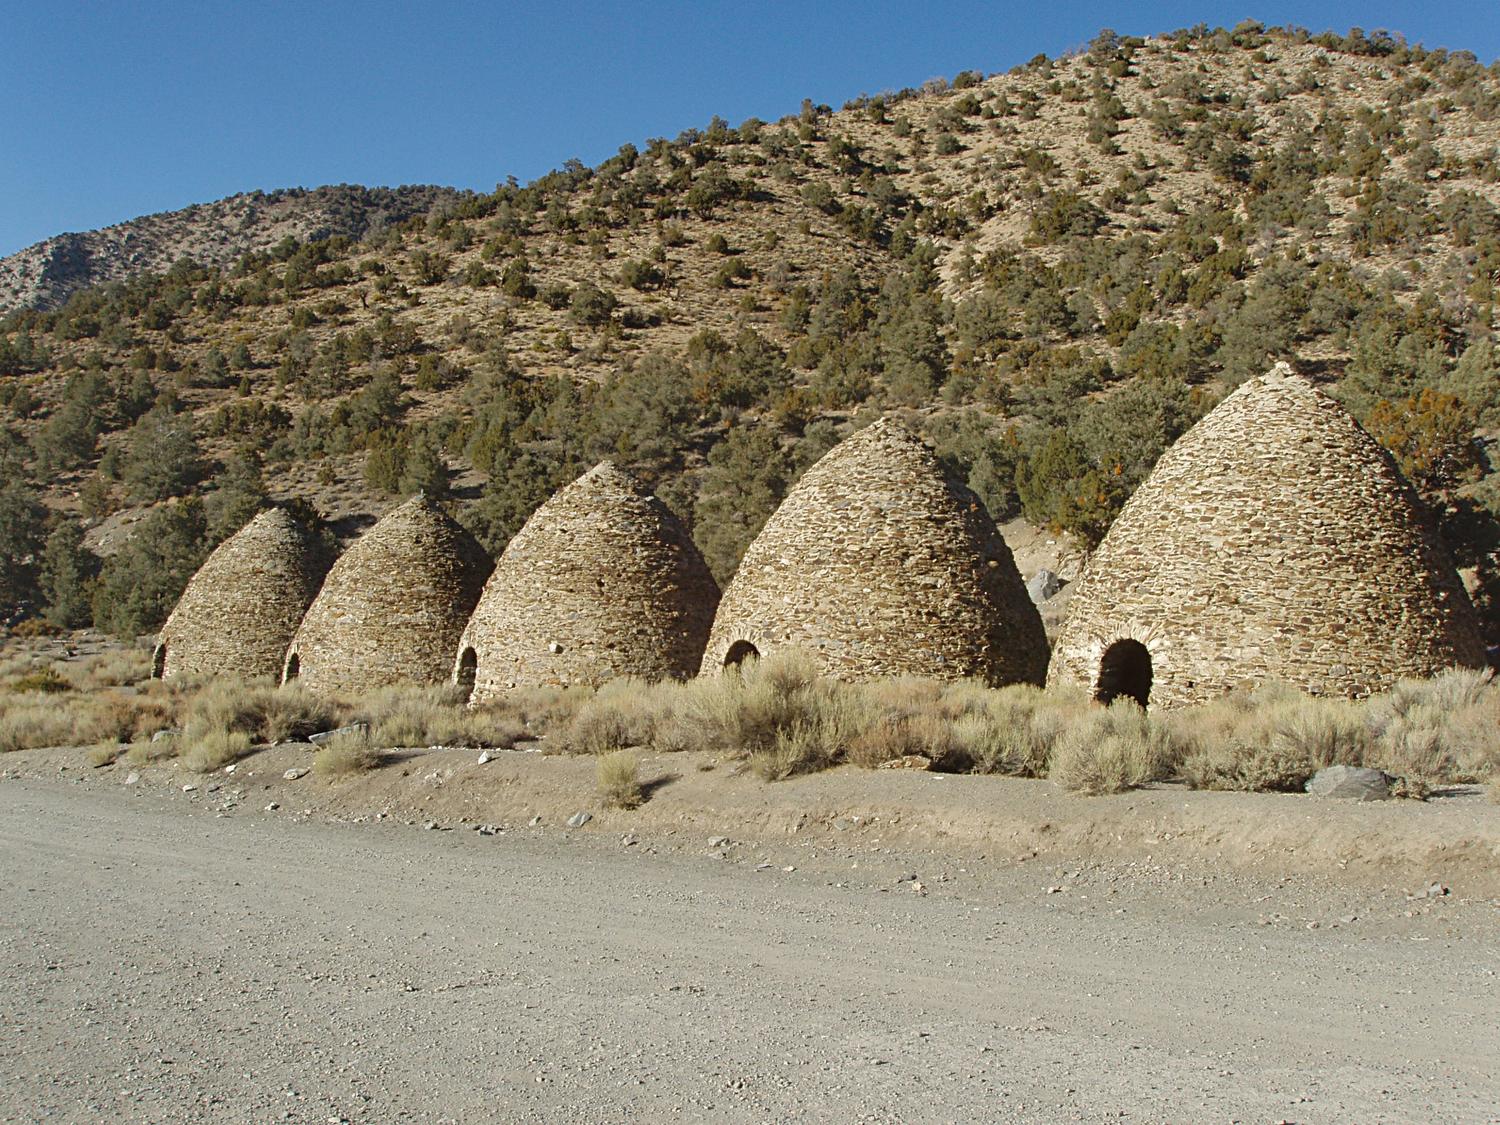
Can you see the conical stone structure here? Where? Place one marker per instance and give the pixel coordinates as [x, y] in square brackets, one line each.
[1275, 541]
[603, 581]
[393, 607]
[240, 610]
[881, 566]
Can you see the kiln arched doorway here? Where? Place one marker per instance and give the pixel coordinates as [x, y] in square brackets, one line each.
[739, 652]
[159, 662]
[467, 672]
[293, 669]
[1124, 673]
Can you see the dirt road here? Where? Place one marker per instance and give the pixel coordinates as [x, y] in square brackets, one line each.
[168, 964]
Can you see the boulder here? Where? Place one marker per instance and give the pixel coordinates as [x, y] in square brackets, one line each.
[1353, 783]
[1043, 585]
[329, 735]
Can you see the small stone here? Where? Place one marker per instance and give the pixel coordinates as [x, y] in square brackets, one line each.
[789, 869]
[190, 788]
[273, 806]
[579, 819]
[907, 762]
[328, 735]
[630, 840]
[132, 777]
[486, 829]
[1054, 890]
[486, 757]
[1433, 890]
[535, 822]
[294, 773]
[164, 735]
[230, 768]
[718, 841]
[430, 826]
[1354, 783]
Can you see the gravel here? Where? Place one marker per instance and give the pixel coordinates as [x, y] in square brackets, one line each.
[170, 965]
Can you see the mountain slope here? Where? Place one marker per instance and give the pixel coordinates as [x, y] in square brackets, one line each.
[45, 275]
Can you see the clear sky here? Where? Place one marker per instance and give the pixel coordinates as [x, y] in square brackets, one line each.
[113, 110]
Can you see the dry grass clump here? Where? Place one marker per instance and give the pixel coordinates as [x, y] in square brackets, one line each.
[1112, 749]
[776, 709]
[214, 749]
[32, 721]
[106, 752]
[617, 774]
[1436, 732]
[113, 668]
[44, 681]
[622, 713]
[1274, 738]
[146, 751]
[410, 715]
[345, 755]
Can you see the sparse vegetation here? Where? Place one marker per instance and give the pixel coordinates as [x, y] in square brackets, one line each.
[346, 754]
[617, 776]
[783, 719]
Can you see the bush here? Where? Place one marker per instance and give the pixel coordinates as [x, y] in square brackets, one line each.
[618, 781]
[346, 754]
[211, 749]
[1274, 738]
[1111, 750]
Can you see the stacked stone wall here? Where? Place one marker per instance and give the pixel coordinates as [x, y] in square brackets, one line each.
[1276, 541]
[238, 613]
[603, 581]
[881, 566]
[393, 607]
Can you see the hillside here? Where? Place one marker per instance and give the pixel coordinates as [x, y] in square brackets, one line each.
[216, 234]
[1052, 271]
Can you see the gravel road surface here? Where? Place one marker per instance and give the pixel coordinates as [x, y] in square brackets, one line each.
[166, 964]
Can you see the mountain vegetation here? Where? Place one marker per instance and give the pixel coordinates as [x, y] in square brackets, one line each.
[1050, 272]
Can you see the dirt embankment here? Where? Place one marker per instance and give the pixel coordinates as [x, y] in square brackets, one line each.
[1453, 839]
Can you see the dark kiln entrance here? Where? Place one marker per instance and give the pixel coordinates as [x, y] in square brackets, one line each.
[468, 671]
[293, 667]
[1125, 672]
[159, 662]
[739, 652]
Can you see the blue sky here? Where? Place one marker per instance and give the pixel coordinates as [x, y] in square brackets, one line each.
[113, 110]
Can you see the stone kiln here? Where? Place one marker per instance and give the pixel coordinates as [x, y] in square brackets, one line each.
[880, 566]
[1275, 541]
[603, 581]
[239, 611]
[393, 607]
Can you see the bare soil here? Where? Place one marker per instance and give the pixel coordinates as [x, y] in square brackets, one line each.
[883, 946]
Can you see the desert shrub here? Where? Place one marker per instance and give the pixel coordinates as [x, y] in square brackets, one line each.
[208, 750]
[412, 715]
[1012, 730]
[1274, 738]
[622, 713]
[1112, 749]
[113, 668]
[45, 681]
[106, 752]
[145, 751]
[346, 754]
[617, 775]
[29, 723]
[1434, 732]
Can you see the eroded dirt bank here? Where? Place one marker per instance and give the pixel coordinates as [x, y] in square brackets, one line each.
[193, 956]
